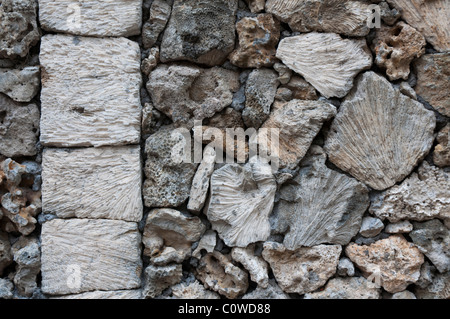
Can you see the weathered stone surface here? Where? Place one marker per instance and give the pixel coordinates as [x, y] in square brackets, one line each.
[441, 154]
[193, 290]
[206, 243]
[185, 93]
[325, 60]
[200, 31]
[388, 15]
[403, 295]
[422, 196]
[6, 257]
[370, 227]
[395, 48]
[98, 295]
[151, 61]
[107, 256]
[240, 202]
[164, 170]
[427, 273]
[79, 183]
[439, 288]
[320, 205]
[6, 288]
[347, 288]
[273, 291]
[19, 128]
[345, 268]
[393, 133]
[20, 85]
[344, 17]
[433, 80]
[18, 28]
[256, 6]
[256, 266]
[218, 273]
[27, 257]
[152, 120]
[260, 93]
[258, 38]
[284, 73]
[111, 18]
[399, 227]
[168, 236]
[308, 268]
[159, 15]
[159, 278]
[90, 91]
[301, 89]
[429, 17]
[406, 89]
[433, 239]
[393, 261]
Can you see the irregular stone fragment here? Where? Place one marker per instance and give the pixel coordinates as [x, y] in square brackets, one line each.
[112, 18]
[207, 243]
[273, 291]
[308, 268]
[439, 288]
[393, 262]
[20, 85]
[370, 227]
[200, 31]
[6, 288]
[260, 93]
[27, 256]
[188, 93]
[218, 273]
[256, 6]
[240, 202]
[403, 295]
[392, 134]
[346, 288]
[325, 60]
[159, 15]
[19, 128]
[433, 80]
[427, 273]
[395, 48]
[258, 38]
[422, 196]
[406, 89]
[6, 257]
[168, 236]
[90, 91]
[152, 120]
[399, 227]
[429, 17]
[301, 89]
[433, 239]
[159, 278]
[164, 169]
[345, 268]
[100, 295]
[107, 256]
[441, 154]
[256, 266]
[150, 62]
[320, 205]
[388, 15]
[284, 73]
[193, 290]
[18, 28]
[79, 183]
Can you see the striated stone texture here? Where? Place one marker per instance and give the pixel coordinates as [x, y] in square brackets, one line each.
[258, 38]
[320, 205]
[27, 257]
[379, 135]
[441, 154]
[159, 16]
[200, 31]
[255, 265]
[159, 278]
[240, 202]
[347, 288]
[393, 262]
[273, 291]
[20, 85]
[308, 268]
[193, 290]
[90, 91]
[107, 256]
[100, 18]
[79, 183]
[100, 295]
[325, 60]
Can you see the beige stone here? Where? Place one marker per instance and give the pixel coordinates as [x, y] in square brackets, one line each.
[256, 266]
[403, 295]
[159, 278]
[441, 154]
[399, 227]
[256, 6]
[98, 295]
[193, 290]
[207, 243]
[347, 288]
[159, 16]
[21, 85]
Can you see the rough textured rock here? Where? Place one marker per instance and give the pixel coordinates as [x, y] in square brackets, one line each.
[6, 257]
[325, 60]
[284, 73]
[346, 288]
[438, 289]
[441, 154]
[27, 257]
[159, 15]
[344, 17]
[433, 239]
[20, 85]
[99, 295]
[301, 89]
[395, 48]
[200, 31]
[393, 133]
[240, 202]
[18, 28]
[193, 290]
[112, 18]
[185, 93]
[388, 15]
[308, 268]
[206, 243]
[399, 227]
[159, 278]
[345, 268]
[79, 183]
[320, 205]
[256, 6]
[406, 89]
[258, 38]
[403, 295]
[422, 196]
[90, 91]
[393, 261]
[151, 61]
[427, 272]
[168, 236]
[433, 80]
[273, 291]
[6, 288]
[19, 128]
[255, 265]
[260, 93]
[218, 273]
[370, 227]
[107, 256]
[429, 17]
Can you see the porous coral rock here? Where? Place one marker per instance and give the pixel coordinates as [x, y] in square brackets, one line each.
[255, 265]
[159, 16]
[21, 85]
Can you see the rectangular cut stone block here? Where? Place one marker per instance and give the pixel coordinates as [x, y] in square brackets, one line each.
[80, 255]
[93, 183]
[103, 18]
[90, 91]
